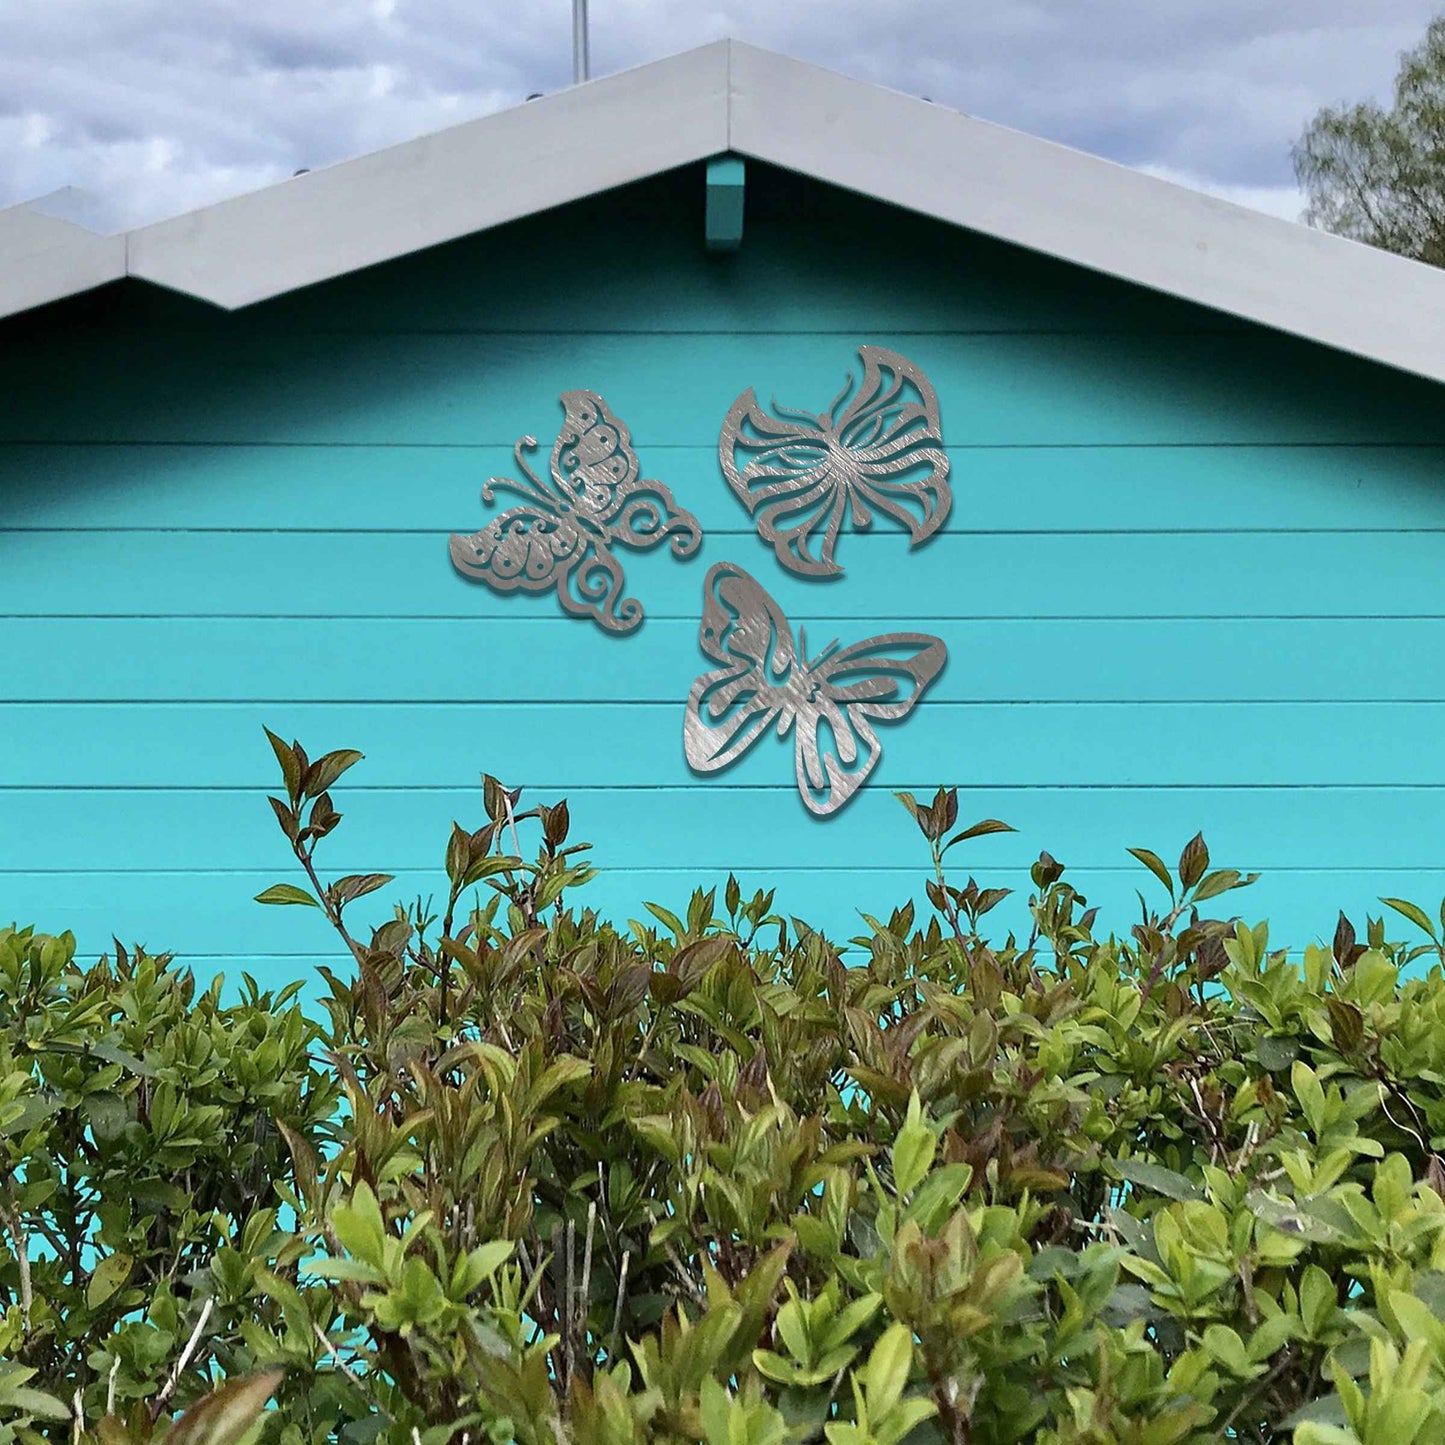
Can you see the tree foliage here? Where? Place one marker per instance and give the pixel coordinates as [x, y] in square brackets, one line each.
[1378, 175]
[707, 1179]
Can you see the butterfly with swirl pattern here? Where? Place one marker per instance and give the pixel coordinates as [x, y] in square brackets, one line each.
[560, 537]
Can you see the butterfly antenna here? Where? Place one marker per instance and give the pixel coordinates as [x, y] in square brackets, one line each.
[537, 491]
[795, 413]
[837, 400]
[527, 444]
[831, 648]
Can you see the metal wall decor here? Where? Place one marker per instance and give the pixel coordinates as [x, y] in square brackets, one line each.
[878, 448]
[561, 536]
[829, 701]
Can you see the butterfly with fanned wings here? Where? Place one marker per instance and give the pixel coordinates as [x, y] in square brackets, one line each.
[560, 538]
[878, 448]
[829, 702]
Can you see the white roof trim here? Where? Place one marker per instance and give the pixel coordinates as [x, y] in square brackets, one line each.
[468, 178]
[44, 257]
[732, 97]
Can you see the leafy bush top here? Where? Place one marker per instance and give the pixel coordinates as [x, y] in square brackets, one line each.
[537, 1177]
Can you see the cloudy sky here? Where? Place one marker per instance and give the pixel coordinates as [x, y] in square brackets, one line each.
[154, 106]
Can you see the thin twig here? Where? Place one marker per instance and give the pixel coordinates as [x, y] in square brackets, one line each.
[184, 1360]
[78, 1404]
[22, 1258]
[1216, 1140]
[585, 1294]
[587, 1254]
[1389, 1088]
[621, 1299]
[512, 823]
[567, 1340]
[334, 1357]
[110, 1386]
[1251, 1143]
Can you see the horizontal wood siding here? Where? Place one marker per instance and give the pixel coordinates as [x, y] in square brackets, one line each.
[1194, 578]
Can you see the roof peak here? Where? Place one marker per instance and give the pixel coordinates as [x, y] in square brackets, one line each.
[731, 97]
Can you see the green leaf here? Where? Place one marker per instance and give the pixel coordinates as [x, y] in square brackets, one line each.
[913, 1153]
[290, 765]
[1310, 1093]
[327, 769]
[1156, 1177]
[360, 1228]
[1155, 864]
[1226, 1347]
[488, 867]
[914, 808]
[1417, 916]
[287, 893]
[889, 1365]
[557, 1075]
[658, 1131]
[667, 918]
[37, 1403]
[693, 961]
[981, 829]
[850, 1320]
[1418, 1322]
[107, 1277]
[25, 1113]
[356, 885]
[1275, 1053]
[488, 1258]
[1313, 1432]
[1222, 881]
[328, 1267]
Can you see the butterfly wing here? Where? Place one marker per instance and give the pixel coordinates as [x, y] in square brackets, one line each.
[729, 708]
[881, 679]
[595, 466]
[524, 549]
[893, 436]
[529, 549]
[592, 456]
[786, 475]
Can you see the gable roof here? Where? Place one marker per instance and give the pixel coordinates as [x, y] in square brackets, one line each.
[730, 97]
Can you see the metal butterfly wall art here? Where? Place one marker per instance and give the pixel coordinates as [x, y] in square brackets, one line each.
[561, 536]
[877, 449]
[829, 702]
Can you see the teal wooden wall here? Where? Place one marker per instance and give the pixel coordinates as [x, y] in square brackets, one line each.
[1194, 577]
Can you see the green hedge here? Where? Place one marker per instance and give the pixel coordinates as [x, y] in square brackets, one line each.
[530, 1176]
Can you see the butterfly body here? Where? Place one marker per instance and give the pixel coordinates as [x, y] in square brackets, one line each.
[766, 681]
[561, 536]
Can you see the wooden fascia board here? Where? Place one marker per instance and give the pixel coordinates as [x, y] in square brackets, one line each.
[44, 259]
[1088, 211]
[421, 193]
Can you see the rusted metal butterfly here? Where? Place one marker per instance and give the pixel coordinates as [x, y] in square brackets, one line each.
[561, 537]
[830, 702]
[878, 448]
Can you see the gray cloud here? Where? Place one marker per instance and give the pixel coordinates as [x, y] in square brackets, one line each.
[154, 106]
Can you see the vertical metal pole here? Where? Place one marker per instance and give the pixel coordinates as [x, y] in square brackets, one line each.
[579, 41]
